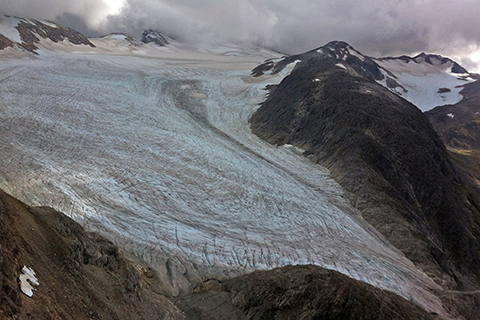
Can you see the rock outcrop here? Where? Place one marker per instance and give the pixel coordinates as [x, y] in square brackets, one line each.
[27, 34]
[156, 37]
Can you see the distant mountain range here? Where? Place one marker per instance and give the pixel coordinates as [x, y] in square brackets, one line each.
[27, 34]
[31, 35]
[425, 80]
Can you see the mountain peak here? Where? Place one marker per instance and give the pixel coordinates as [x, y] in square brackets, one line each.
[151, 35]
[341, 50]
[27, 34]
[438, 60]
[338, 44]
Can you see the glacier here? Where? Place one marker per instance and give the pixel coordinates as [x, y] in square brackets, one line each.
[155, 152]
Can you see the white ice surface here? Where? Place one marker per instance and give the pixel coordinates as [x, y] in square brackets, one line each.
[7, 28]
[423, 81]
[157, 155]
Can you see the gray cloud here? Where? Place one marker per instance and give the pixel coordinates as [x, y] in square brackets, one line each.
[375, 27]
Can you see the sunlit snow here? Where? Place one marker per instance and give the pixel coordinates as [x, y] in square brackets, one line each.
[424, 82]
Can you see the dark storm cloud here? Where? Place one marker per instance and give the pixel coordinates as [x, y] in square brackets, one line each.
[91, 11]
[375, 27]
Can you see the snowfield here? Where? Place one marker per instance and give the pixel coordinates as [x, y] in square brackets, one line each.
[156, 154]
[425, 85]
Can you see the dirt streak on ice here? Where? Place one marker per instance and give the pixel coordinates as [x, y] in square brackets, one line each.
[158, 155]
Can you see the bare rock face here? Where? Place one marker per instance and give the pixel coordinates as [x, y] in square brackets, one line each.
[387, 156]
[155, 37]
[5, 42]
[29, 31]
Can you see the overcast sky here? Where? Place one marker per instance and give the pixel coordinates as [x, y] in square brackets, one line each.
[374, 27]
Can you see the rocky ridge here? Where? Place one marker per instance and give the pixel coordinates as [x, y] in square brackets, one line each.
[81, 275]
[426, 80]
[384, 152]
[123, 38]
[26, 34]
[156, 37]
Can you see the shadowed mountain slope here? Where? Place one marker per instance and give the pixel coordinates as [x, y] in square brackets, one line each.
[385, 153]
[459, 124]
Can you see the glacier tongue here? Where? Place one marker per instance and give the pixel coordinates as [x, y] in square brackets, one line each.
[157, 155]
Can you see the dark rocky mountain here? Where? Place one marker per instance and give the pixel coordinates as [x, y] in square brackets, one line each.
[26, 34]
[384, 152]
[339, 51]
[435, 59]
[413, 78]
[156, 37]
[459, 127]
[432, 59]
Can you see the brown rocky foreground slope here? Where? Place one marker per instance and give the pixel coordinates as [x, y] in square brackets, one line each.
[83, 276]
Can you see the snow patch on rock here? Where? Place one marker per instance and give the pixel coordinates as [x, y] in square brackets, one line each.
[27, 280]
